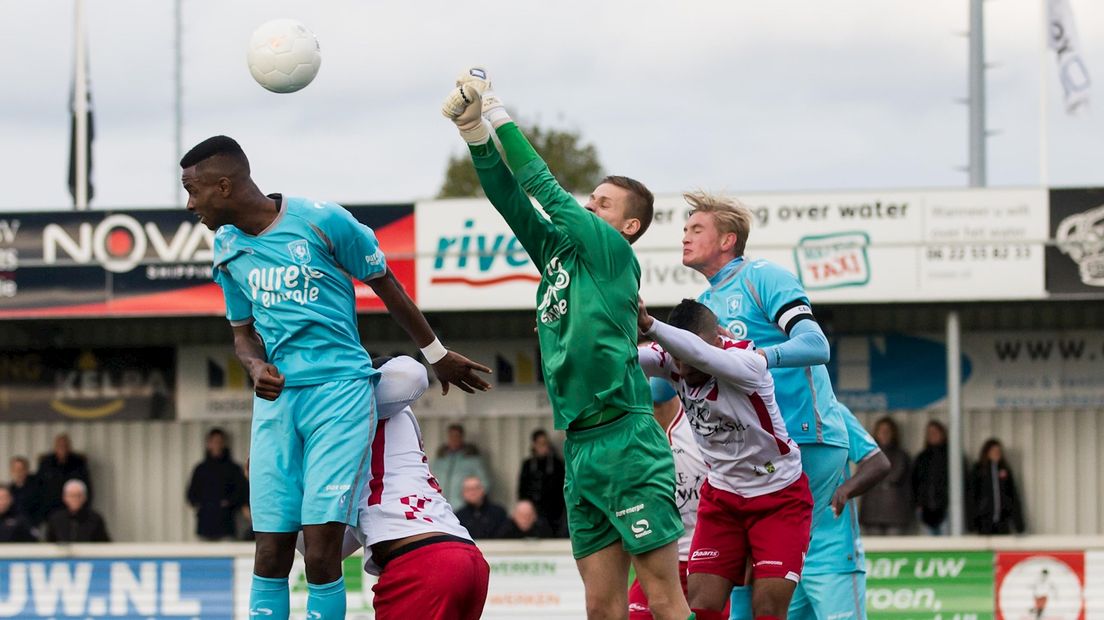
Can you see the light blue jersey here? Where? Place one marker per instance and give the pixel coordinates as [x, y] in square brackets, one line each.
[292, 281]
[760, 301]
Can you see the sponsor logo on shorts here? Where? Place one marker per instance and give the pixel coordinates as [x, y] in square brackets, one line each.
[630, 510]
[794, 577]
[641, 528]
[638, 607]
[338, 487]
[705, 554]
[768, 563]
[260, 611]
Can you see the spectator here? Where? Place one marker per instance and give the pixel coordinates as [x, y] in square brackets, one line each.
[994, 506]
[76, 522]
[456, 461]
[541, 479]
[14, 527]
[217, 490]
[55, 468]
[887, 508]
[931, 481]
[524, 522]
[479, 515]
[25, 490]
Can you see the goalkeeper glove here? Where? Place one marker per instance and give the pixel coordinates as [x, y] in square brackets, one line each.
[463, 106]
[493, 108]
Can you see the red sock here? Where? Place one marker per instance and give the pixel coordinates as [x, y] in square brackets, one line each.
[709, 614]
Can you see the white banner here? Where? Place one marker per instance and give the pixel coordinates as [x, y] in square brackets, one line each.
[937, 245]
[1072, 72]
[1001, 370]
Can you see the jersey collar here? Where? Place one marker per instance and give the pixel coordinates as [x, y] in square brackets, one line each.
[726, 272]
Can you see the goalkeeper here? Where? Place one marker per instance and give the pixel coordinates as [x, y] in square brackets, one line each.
[620, 483]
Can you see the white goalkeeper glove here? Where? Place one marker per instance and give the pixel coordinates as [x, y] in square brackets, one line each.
[463, 106]
[493, 108]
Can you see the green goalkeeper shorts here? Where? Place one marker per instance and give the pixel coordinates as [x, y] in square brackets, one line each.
[620, 486]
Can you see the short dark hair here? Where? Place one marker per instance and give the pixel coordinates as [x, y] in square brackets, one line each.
[693, 317]
[540, 432]
[216, 431]
[456, 426]
[224, 146]
[21, 459]
[641, 201]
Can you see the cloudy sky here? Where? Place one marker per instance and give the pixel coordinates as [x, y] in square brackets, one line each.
[736, 95]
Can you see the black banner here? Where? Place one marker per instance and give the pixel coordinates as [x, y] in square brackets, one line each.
[87, 384]
[138, 262]
[1075, 264]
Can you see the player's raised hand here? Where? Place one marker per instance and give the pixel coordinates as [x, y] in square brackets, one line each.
[463, 106]
[455, 369]
[268, 382]
[493, 108]
[644, 320]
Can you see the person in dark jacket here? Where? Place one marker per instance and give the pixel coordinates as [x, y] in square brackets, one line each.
[994, 506]
[541, 479]
[25, 490]
[480, 516]
[58, 467]
[887, 508]
[524, 522]
[217, 490]
[76, 522]
[931, 480]
[14, 527]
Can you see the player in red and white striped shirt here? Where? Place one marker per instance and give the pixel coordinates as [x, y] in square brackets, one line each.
[755, 502]
[427, 564]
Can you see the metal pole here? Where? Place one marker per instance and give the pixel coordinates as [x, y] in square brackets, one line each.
[80, 110]
[1044, 161]
[178, 63]
[977, 94]
[954, 422]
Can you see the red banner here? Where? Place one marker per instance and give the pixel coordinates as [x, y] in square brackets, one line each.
[1039, 585]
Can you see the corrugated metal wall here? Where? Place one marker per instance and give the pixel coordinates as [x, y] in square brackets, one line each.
[141, 468]
[1054, 457]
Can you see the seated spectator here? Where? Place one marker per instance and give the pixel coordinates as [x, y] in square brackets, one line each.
[456, 461]
[25, 490]
[524, 522]
[217, 490]
[541, 479]
[14, 527]
[57, 467]
[76, 522]
[480, 516]
[994, 506]
[931, 480]
[887, 508]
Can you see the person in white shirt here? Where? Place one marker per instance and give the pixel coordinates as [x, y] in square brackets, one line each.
[755, 502]
[427, 564]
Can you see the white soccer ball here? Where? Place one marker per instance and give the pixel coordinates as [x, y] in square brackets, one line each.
[283, 55]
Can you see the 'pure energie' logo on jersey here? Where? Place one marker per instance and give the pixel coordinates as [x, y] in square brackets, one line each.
[273, 285]
[553, 305]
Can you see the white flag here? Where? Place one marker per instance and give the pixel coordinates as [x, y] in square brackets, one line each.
[1062, 38]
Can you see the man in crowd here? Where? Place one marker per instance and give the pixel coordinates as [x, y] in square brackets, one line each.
[482, 517]
[76, 522]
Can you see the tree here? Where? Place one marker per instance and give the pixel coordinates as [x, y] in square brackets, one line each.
[574, 164]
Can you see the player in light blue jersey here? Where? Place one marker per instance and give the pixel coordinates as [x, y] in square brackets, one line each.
[284, 265]
[763, 302]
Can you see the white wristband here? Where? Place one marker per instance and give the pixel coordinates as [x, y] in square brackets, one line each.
[434, 351]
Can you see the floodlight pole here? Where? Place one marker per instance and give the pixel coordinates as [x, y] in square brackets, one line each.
[80, 111]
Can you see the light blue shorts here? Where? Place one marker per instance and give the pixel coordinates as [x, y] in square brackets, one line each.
[309, 454]
[817, 597]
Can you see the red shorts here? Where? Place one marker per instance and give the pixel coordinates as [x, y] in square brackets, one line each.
[440, 581]
[772, 529]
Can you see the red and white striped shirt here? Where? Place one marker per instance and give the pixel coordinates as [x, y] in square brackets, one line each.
[734, 416]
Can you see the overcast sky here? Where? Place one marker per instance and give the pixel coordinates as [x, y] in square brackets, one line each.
[735, 95]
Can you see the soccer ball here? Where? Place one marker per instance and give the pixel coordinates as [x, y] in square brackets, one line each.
[283, 55]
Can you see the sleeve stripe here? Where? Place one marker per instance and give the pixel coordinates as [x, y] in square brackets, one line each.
[790, 316]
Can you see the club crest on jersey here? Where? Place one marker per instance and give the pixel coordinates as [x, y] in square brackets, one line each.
[300, 251]
[734, 303]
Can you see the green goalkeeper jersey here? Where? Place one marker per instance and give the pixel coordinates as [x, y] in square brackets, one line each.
[590, 281]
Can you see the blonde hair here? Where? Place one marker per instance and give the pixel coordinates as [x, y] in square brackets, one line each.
[729, 214]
